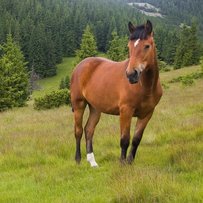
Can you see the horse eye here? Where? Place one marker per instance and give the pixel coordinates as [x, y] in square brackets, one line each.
[147, 46]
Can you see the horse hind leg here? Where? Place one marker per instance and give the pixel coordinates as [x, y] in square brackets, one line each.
[79, 109]
[92, 121]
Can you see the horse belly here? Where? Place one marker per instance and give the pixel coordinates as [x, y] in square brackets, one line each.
[102, 97]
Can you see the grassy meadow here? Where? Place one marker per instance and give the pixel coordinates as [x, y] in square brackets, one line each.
[47, 85]
[37, 152]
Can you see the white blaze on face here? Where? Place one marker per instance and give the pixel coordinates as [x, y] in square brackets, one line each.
[136, 42]
[141, 67]
[91, 160]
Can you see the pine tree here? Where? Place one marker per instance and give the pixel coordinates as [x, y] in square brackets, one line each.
[36, 50]
[117, 48]
[62, 84]
[111, 29]
[188, 50]
[88, 45]
[58, 49]
[101, 36]
[42, 55]
[169, 47]
[195, 45]
[50, 57]
[65, 83]
[13, 77]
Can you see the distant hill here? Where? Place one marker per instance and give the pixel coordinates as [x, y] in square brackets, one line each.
[147, 9]
[176, 11]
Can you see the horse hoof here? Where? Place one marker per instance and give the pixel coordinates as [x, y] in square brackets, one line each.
[130, 160]
[95, 166]
[123, 162]
[77, 161]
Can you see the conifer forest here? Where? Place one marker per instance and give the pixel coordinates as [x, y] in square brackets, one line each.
[48, 30]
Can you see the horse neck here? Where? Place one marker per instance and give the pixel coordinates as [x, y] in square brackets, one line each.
[150, 76]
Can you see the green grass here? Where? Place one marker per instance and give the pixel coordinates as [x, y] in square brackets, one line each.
[37, 153]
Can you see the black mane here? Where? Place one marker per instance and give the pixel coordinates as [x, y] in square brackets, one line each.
[139, 33]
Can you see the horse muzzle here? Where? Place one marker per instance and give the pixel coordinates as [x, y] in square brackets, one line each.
[134, 76]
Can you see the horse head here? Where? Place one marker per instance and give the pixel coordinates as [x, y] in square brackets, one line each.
[141, 50]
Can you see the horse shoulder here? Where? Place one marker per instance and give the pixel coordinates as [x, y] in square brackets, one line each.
[148, 102]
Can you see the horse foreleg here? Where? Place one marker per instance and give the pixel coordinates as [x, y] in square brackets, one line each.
[125, 122]
[140, 126]
[93, 119]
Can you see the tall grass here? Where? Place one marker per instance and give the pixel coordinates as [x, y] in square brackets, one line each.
[37, 154]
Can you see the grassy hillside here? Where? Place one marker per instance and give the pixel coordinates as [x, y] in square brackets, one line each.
[52, 83]
[37, 154]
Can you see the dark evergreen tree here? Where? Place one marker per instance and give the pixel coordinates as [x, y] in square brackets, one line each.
[188, 50]
[62, 84]
[118, 48]
[100, 32]
[50, 57]
[111, 28]
[169, 47]
[42, 52]
[58, 49]
[194, 44]
[13, 77]
[65, 83]
[88, 45]
[36, 50]
[27, 28]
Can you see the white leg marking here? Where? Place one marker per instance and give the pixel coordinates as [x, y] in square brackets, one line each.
[91, 159]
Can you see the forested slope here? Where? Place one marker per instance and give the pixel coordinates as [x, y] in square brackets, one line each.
[179, 11]
[48, 30]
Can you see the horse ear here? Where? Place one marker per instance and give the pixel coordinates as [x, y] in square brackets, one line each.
[148, 27]
[131, 27]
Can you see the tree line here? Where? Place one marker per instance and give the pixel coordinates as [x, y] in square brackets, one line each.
[48, 30]
[178, 48]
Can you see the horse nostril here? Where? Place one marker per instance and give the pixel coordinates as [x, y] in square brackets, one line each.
[135, 74]
[133, 77]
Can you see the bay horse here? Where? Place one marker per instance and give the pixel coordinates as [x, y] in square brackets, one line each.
[130, 88]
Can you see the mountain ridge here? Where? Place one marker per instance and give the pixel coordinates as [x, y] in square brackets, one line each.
[176, 12]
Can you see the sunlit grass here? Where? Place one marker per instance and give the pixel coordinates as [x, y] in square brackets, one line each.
[52, 83]
[37, 154]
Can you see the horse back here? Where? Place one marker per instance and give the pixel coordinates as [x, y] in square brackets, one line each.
[97, 80]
